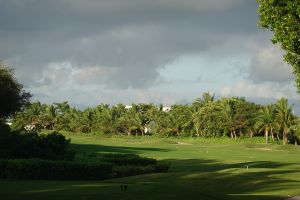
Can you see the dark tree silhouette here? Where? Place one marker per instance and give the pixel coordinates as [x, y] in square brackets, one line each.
[12, 95]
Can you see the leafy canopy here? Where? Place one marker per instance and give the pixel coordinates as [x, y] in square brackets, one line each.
[283, 18]
[12, 95]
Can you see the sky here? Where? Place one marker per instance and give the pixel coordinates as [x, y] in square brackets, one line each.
[140, 51]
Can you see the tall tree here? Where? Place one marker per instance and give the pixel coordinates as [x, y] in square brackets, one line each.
[12, 95]
[266, 120]
[284, 117]
[204, 100]
[283, 18]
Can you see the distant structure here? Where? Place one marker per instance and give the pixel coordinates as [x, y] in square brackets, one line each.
[9, 123]
[30, 127]
[128, 106]
[166, 108]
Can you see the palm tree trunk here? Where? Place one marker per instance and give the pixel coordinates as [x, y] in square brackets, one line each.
[284, 137]
[272, 135]
[267, 135]
[197, 131]
[251, 134]
[128, 133]
[142, 131]
[277, 135]
[234, 134]
[177, 132]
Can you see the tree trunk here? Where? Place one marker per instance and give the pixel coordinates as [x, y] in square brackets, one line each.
[240, 133]
[234, 134]
[277, 135]
[231, 134]
[197, 131]
[267, 135]
[142, 131]
[272, 135]
[284, 137]
[251, 134]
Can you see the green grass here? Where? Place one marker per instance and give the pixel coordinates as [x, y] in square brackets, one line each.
[200, 169]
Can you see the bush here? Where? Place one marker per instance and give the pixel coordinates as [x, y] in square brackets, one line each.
[53, 146]
[128, 159]
[54, 170]
[131, 164]
[132, 170]
[162, 168]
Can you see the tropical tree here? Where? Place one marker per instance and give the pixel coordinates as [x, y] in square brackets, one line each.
[31, 114]
[228, 112]
[296, 131]
[284, 117]
[195, 120]
[266, 120]
[12, 95]
[204, 100]
[282, 17]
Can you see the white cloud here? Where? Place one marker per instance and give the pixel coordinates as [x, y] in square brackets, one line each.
[260, 90]
[94, 75]
[267, 65]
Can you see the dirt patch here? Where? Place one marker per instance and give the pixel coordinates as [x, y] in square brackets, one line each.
[264, 149]
[183, 143]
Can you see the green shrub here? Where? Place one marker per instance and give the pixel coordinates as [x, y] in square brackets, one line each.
[161, 168]
[132, 170]
[54, 170]
[128, 159]
[53, 146]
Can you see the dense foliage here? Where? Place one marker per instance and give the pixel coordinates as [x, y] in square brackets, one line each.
[283, 18]
[53, 146]
[108, 166]
[12, 95]
[53, 170]
[29, 155]
[205, 117]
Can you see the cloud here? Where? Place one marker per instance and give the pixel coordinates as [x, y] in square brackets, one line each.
[267, 65]
[134, 38]
[89, 51]
[260, 90]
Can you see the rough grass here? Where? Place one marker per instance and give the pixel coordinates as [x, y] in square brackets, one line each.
[200, 169]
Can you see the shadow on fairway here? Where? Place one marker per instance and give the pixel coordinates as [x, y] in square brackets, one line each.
[196, 165]
[113, 149]
[188, 179]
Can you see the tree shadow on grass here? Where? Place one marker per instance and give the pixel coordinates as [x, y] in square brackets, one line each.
[201, 179]
[215, 180]
[188, 179]
[112, 149]
[196, 165]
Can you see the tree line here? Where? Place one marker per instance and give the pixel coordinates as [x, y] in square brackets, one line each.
[205, 117]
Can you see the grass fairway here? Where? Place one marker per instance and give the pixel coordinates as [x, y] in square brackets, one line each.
[199, 170]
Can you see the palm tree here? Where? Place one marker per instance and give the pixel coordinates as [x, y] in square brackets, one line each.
[266, 120]
[204, 100]
[195, 120]
[48, 117]
[228, 113]
[108, 120]
[284, 117]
